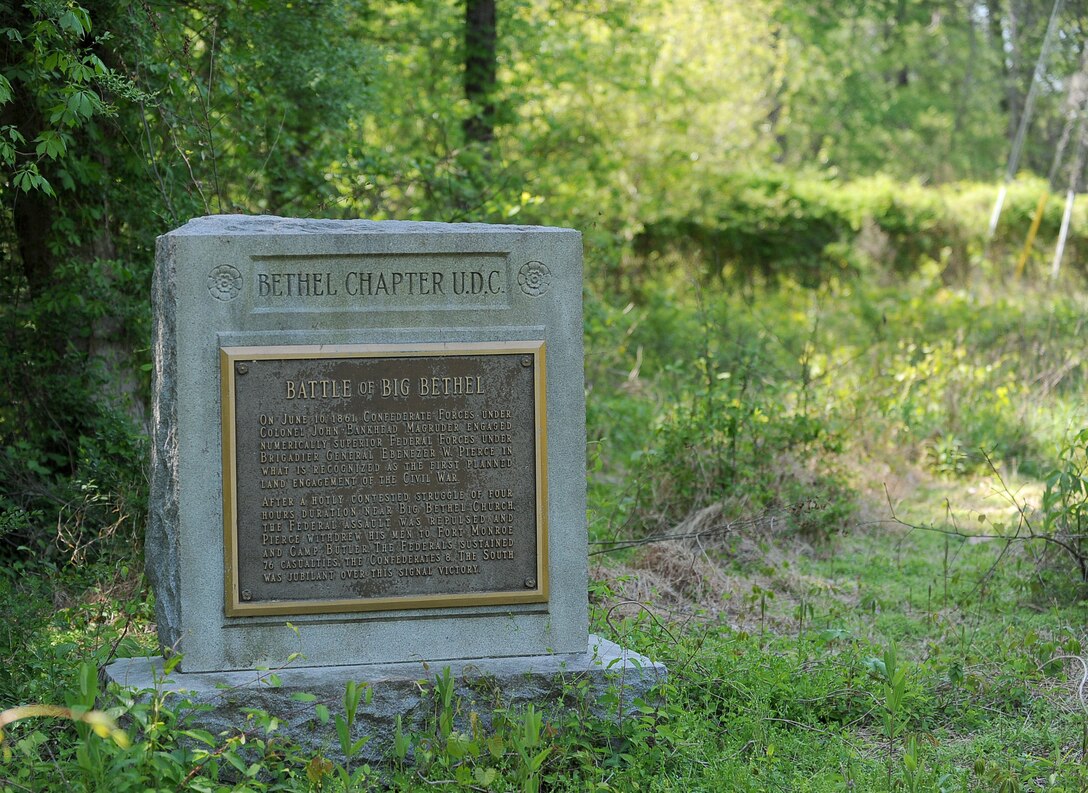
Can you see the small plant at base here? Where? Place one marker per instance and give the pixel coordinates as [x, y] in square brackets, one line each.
[447, 748]
[401, 744]
[526, 741]
[354, 693]
[911, 767]
[443, 691]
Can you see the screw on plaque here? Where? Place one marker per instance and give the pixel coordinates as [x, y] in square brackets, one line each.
[526, 361]
[247, 595]
[241, 368]
[530, 583]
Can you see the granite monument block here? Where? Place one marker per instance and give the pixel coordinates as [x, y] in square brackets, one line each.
[368, 463]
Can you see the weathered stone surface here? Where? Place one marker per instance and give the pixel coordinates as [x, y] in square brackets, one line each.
[208, 297]
[570, 680]
[162, 543]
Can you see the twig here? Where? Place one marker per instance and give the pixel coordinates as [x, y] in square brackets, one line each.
[1083, 678]
[271, 151]
[810, 728]
[642, 607]
[1024, 522]
[207, 106]
[8, 781]
[116, 644]
[715, 529]
[435, 782]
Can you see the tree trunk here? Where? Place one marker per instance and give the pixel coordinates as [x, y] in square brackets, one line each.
[32, 216]
[480, 69]
[1011, 45]
[962, 103]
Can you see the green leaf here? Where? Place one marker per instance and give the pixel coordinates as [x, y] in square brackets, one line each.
[82, 103]
[485, 776]
[66, 180]
[834, 634]
[876, 667]
[540, 757]
[58, 114]
[84, 17]
[322, 713]
[70, 22]
[235, 761]
[26, 179]
[342, 733]
[14, 135]
[79, 73]
[51, 144]
[203, 736]
[88, 683]
[303, 696]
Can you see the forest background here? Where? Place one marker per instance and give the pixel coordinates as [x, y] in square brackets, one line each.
[810, 364]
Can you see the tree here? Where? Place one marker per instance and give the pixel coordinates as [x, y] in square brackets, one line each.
[481, 66]
[119, 121]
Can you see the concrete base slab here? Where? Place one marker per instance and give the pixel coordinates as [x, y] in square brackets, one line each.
[604, 681]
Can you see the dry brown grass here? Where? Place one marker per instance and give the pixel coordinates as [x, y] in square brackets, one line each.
[720, 571]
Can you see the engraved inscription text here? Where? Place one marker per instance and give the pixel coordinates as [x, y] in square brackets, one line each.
[373, 478]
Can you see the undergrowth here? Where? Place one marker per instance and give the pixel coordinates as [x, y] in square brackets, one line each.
[848, 518]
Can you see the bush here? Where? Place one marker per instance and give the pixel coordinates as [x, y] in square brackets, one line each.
[743, 450]
[1065, 502]
[763, 228]
[713, 410]
[772, 227]
[72, 458]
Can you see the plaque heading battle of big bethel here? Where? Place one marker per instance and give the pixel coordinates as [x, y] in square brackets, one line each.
[374, 477]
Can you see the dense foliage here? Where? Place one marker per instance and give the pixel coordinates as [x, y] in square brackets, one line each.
[120, 121]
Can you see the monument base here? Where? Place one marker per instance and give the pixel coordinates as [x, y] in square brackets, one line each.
[605, 682]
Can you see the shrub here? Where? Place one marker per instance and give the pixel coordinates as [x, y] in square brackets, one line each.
[763, 228]
[1065, 502]
[773, 227]
[72, 459]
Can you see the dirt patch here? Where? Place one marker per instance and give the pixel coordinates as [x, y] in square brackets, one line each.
[742, 572]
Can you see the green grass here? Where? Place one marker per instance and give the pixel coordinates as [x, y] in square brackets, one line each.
[848, 439]
[799, 706]
[941, 409]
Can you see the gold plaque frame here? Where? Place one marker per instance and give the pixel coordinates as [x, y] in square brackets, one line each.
[229, 356]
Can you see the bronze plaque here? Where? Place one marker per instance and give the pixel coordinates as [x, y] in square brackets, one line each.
[367, 477]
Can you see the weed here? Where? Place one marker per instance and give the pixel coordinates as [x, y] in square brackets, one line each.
[354, 693]
[1065, 501]
[895, 685]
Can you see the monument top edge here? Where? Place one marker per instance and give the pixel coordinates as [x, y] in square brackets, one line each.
[226, 225]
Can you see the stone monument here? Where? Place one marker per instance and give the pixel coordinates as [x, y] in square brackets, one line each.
[369, 461]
